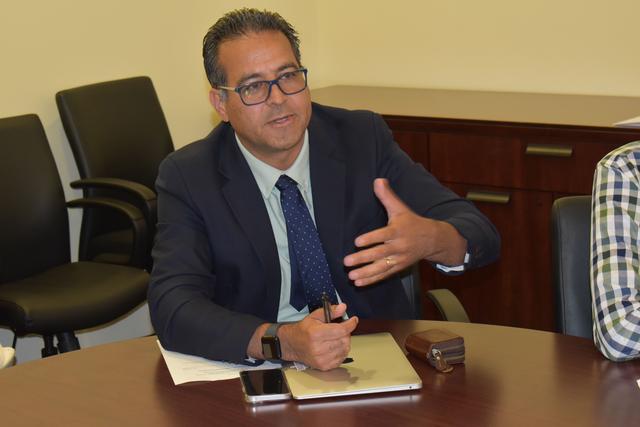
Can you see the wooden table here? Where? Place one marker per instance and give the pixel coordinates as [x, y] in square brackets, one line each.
[512, 377]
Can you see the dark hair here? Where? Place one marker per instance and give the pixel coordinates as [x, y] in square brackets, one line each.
[238, 23]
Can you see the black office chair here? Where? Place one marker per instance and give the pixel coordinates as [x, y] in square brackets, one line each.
[570, 236]
[445, 301]
[41, 291]
[119, 136]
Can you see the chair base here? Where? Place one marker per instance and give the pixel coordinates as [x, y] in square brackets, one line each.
[67, 341]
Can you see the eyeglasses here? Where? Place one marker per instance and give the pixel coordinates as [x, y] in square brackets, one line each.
[254, 93]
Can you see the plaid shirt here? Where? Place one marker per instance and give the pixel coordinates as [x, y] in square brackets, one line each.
[615, 253]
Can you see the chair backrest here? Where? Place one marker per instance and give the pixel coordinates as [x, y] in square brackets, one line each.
[34, 226]
[116, 129]
[570, 236]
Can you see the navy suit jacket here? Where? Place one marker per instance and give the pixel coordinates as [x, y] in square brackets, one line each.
[216, 274]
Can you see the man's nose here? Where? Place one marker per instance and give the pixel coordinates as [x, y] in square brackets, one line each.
[277, 96]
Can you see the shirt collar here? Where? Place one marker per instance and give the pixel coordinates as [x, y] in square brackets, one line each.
[266, 175]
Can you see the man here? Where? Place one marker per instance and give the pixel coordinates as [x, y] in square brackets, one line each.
[615, 254]
[285, 200]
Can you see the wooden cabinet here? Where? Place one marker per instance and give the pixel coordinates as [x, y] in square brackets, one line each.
[516, 290]
[513, 161]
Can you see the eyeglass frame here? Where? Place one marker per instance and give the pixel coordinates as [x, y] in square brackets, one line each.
[275, 81]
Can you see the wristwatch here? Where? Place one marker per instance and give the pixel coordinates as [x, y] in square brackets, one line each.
[271, 343]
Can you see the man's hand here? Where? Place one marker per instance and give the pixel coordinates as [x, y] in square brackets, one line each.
[317, 344]
[407, 238]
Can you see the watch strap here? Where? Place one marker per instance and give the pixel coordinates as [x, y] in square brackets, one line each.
[272, 330]
[271, 341]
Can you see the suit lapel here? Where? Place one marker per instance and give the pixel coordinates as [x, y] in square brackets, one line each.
[246, 203]
[328, 169]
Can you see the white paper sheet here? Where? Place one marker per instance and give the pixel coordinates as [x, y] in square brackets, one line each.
[185, 368]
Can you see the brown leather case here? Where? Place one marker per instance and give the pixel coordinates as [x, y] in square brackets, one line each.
[435, 344]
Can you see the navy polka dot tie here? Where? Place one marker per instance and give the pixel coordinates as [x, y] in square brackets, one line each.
[310, 276]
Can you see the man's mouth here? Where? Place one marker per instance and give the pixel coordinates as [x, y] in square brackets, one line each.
[281, 120]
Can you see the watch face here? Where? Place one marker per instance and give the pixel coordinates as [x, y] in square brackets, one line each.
[271, 347]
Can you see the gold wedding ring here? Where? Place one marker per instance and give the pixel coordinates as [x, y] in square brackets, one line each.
[389, 261]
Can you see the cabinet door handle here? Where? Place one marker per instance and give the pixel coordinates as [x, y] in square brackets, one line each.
[488, 197]
[549, 150]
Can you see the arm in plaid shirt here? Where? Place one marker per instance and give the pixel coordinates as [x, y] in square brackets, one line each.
[615, 253]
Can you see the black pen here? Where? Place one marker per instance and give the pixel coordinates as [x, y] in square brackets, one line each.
[326, 306]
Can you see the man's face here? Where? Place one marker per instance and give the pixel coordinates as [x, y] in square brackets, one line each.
[272, 131]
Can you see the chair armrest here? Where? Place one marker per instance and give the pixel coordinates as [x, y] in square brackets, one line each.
[140, 190]
[139, 224]
[146, 196]
[448, 305]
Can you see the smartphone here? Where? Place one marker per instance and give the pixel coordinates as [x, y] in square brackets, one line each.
[266, 385]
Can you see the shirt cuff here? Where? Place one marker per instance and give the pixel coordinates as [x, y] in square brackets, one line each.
[456, 268]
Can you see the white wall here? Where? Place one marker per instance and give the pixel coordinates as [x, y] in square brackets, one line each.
[566, 46]
[557, 46]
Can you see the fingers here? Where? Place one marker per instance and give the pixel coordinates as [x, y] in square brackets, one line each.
[387, 249]
[405, 239]
[388, 197]
[379, 235]
[370, 279]
[350, 325]
[318, 344]
[331, 331]
[377, 270]
[368, 255]
[378, 262]
[334, 358]
[394, 207]
[332, 352]
[338, 310]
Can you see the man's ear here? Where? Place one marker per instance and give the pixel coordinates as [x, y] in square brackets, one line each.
[216, 98]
